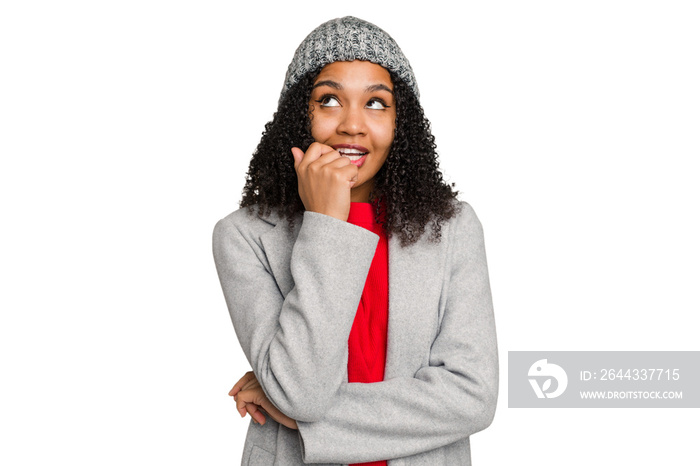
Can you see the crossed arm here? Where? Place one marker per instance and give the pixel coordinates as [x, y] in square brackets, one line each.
[252, 400]
[292, 342]
[451, 398]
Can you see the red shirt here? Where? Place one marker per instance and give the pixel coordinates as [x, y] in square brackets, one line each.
[367, 342]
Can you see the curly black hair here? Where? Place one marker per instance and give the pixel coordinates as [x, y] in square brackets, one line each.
[409, 187]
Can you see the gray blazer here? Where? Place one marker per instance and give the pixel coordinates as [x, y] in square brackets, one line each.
[293, 295]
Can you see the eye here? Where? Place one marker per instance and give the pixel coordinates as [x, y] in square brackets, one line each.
[377, 104]
[328, 101]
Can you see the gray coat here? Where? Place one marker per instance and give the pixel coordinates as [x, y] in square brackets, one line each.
[293, 295]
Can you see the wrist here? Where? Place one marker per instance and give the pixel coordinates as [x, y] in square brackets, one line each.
[342, 216]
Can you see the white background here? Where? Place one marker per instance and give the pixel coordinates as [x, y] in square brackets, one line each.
[125, 132]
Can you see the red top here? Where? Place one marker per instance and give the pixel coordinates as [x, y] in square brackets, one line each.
[367, 342]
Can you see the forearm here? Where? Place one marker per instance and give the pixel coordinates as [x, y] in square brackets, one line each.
[402, 416]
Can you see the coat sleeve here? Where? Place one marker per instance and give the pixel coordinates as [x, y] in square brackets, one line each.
[296, 345]
[446, 401]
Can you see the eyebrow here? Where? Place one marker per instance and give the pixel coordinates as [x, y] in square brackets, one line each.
[338, 86]
[328, 83]
[378, 87]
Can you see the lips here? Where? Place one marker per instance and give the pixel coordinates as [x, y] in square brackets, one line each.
[355, 153]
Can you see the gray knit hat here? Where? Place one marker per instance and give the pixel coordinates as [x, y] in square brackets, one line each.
[347, 39]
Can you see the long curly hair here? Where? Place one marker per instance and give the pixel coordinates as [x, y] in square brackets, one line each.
[408, 194]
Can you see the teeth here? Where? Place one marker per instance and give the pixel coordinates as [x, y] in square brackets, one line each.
[353, 158]
[346, 151]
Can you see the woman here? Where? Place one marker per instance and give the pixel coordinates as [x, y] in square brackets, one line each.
[356, 283]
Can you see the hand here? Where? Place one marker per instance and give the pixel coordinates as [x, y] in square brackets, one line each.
[251, 398]
[325, 179]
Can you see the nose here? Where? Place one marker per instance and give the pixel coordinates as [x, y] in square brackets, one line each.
[352, 121]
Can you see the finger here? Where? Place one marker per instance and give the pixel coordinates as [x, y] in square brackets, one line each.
[241, 409]
[255, 413]
[243, 380]
[241, 402]
[348, 172]
[260, 417]
[342, 168]
[245, 398]
[253, 383]
[298, 155]
[337, 162]
[313, 153]
[330, 157]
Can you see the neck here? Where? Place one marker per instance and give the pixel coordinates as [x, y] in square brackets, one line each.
[361, 193]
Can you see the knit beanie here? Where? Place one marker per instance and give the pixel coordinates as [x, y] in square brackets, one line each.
[347, 39]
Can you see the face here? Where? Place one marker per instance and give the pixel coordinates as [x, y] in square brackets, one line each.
[353, 110]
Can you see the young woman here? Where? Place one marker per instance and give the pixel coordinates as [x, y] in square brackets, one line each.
[356, 282]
